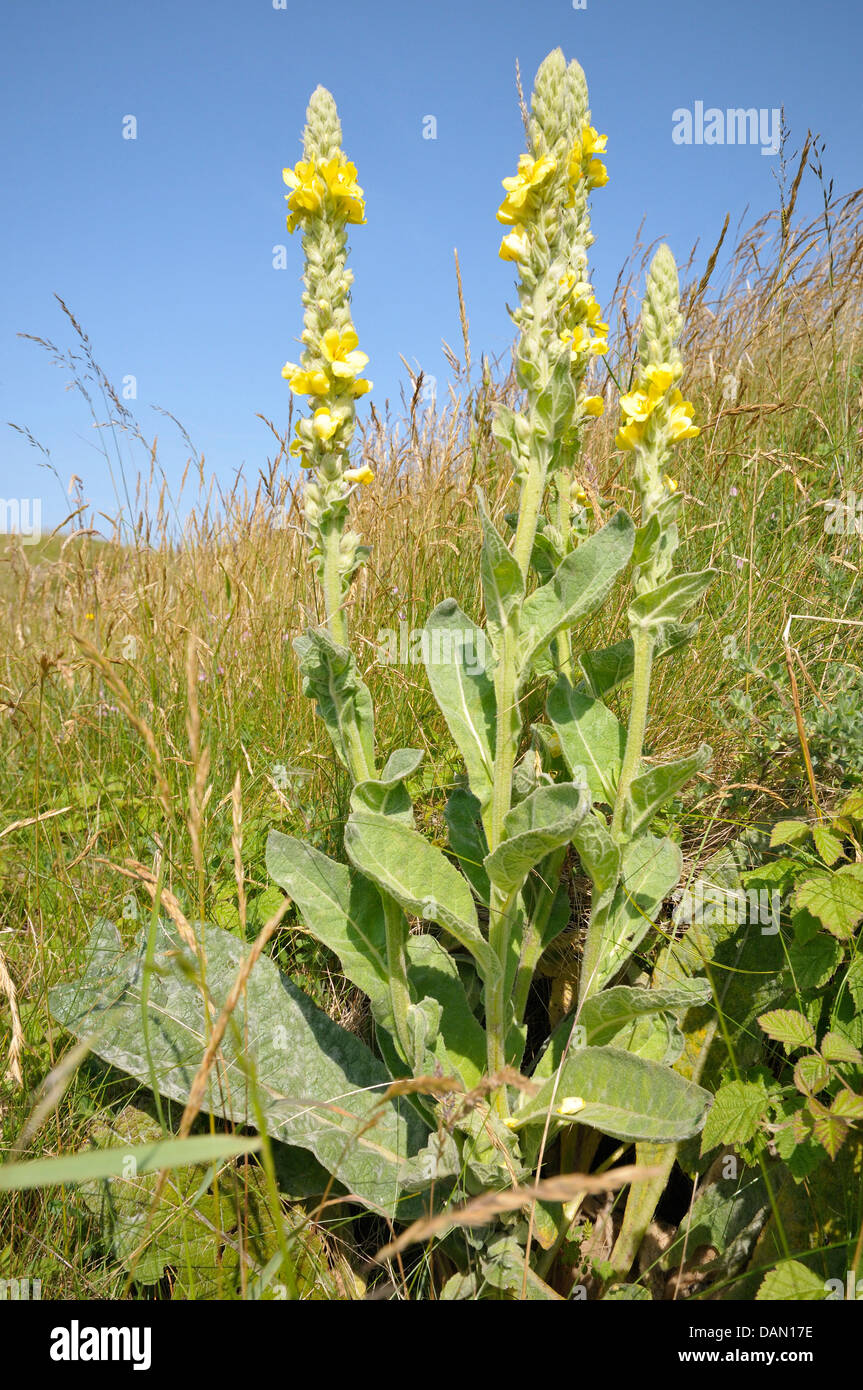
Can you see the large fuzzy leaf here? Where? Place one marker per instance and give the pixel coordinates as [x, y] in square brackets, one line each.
[420, 878]
[330, 677]
[612, 1018]
[650, 869]
[539, 824]
[502, 582]
[623, 1095]
[590, 737]
[670, 600]
[581, 583]
[467, 839]
[319, 1086]
[653, 788]
[463, 691]
[610, 667]
[344, 911]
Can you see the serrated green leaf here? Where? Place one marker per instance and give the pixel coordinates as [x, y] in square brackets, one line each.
[813, 964]
[811, 1074]
[791, 1281]
[738, 1110]
[836, 899]
[835, 1048]
[848, 1106]
[788, 1027]
[828, 845]
[789, 832]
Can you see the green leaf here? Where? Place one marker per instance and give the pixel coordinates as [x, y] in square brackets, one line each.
[848, 1106]
[813, 964]
[651, 790]
[623, 1095]
[463, 691]
[118, 1162]
[330, 678]
[555, 404]
[611, 1018]
[836, 899]
[811, 1074]
[600, 856]
[605, 670]
[789, 832]
[591, 738]
[828, 845]
[670, 600]
[738, 1110]
[789, 1027]
[467, 839]
[650, 869]
[540, 823]
[319, 1086]
[791, 1281]
[835, 1048]
[582, 581]
[502, 581]
[420, 878]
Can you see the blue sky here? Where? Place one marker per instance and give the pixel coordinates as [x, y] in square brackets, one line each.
[163, 246]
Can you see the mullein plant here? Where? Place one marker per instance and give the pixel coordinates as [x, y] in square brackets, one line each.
[445, 1109]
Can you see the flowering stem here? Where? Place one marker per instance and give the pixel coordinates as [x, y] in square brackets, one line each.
[642, 641]
[563, 641]
[332, 586]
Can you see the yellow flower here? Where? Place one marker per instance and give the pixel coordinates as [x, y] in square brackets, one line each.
[680, 418]
[629, 435]
[359, 475]
[582, 161]
[660, 376]
[305, 383]
[670, 483]
[570, 1105]
[324, 424]
[514, 246]
[598, 346]
[308, 191]
[340, 177]
[597, 174]
[339, 349]
[360, 386]
[90, 617]
[637, 404]
[593, 405]
[522, 187]
[594, 318]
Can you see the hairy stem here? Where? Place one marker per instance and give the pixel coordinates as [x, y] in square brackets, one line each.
[332, 586]
[642, 641]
